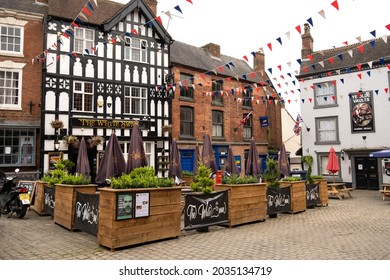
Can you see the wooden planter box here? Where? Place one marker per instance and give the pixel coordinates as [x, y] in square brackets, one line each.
[66, 203]
[39, 203]
[247, 202]
[297, 195]
[324, 196]
[164, 220]
[187, 180]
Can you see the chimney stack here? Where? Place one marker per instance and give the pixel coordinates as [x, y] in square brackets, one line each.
[307, 42]
[259, 62]
[213, 49]
[152, 5]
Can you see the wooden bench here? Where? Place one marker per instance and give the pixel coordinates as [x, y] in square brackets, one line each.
[386, 191]
[338, 189]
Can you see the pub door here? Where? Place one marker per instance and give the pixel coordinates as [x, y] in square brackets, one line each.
[366, 170]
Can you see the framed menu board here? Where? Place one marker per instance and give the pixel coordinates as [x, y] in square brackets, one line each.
[142, 204]
[54, 157]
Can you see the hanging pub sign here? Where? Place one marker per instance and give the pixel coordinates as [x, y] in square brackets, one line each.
[263, 121]
[312, 195]
[86, 214]
[362, 111]
[203, 210]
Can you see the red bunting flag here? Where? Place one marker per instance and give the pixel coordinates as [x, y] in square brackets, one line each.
[190, 1]
[220, 68]
[228, 79]
[310, 99]
[86, 11]
[387, 90]
[280, 67]
[159, 20]
[334, 83]
[359, 67]
[269, 46]
[134, 31]
[345, 43]
[310, 57]
[336, 5]
[298, 28]
[252, 74]
[388, 27]
[246, 58]
[331, 60]
[361, 49]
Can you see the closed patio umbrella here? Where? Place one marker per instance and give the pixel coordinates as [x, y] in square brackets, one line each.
[174, 169]
[136, 154]
[333, 162]
[113, 163]
[283, 164]
[231, 166]
[252, 165]
[208, 154]
[82, 166]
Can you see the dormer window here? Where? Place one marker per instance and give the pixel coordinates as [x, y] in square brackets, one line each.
[136, 49]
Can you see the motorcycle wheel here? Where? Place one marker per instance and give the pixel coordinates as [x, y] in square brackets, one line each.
[20, 210]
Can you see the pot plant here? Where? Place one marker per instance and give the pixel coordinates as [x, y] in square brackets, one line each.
[138, 207]
[323, 197]
[45, 199]
[247, 199]
[187, 177]
[95, 140]
[71, 140]
[57, 124]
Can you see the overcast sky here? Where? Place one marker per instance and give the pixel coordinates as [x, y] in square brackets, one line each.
[241, 27]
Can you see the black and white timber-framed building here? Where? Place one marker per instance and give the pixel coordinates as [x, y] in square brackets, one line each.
[104, 70]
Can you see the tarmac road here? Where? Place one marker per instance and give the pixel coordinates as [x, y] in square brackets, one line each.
[350, 229]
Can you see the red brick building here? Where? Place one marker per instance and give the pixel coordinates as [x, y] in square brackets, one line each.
[21, 27]
[214, 92]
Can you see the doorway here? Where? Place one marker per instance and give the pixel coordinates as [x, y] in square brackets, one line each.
[366, 170]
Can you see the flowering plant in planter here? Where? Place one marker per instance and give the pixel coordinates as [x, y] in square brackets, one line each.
[95, 140]
[56, 124]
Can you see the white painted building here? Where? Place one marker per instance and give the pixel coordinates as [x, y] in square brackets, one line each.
[105, 67]
[291, 140]
[346, 105]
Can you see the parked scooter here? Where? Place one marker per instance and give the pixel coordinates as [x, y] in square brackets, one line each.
[13, 199]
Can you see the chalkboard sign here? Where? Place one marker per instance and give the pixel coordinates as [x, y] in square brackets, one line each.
[312, 195]
[278, 200]
[31, 188]
[86, 214]
[203, 210]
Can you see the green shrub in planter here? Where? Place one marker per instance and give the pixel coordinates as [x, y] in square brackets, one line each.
[317, 177]
[142, 177]
[53, 177]
[187, 173]
[272, 173]
[291, 179]
[70, 179]
[237, 180]
[203, 182]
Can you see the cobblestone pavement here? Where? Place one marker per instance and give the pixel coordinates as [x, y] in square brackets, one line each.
[353, 228]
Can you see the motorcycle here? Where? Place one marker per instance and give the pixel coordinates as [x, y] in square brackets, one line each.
[13, 199]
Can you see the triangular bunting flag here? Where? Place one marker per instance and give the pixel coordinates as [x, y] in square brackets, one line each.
[322, 13]
[331, 60]
[335, 4]
[246, 58]
[384, 38]
[350, 52]
[372, 43]
[298, 28]
[373, 33]
[269, 46]
[178, 8]
[310, 21]
[279, 40]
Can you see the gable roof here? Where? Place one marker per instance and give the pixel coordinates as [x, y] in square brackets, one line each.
[106, 14]
[70, 9]
[25, 6]
[199, 58]
[373, 51]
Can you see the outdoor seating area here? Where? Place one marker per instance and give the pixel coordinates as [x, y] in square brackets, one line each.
[386, 191]
[339, 190]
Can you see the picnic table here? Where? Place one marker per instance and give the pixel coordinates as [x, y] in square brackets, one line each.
[339, 189]
[386, 191]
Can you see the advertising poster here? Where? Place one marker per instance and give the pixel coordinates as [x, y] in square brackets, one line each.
[362, 111]
[141, 205]
[124, 206]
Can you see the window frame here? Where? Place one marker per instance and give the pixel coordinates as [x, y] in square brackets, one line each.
[248, 126]
[191, 123]
[330, 101]
[14, 146]
[18, 106]
[217, 96]
[215, 124]
[322, 160]
[247, 98]
[128, 98]
[83, 39]
[186, 91]
[128, 50]
[83, 95]
[21, 37]
[317, 124]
